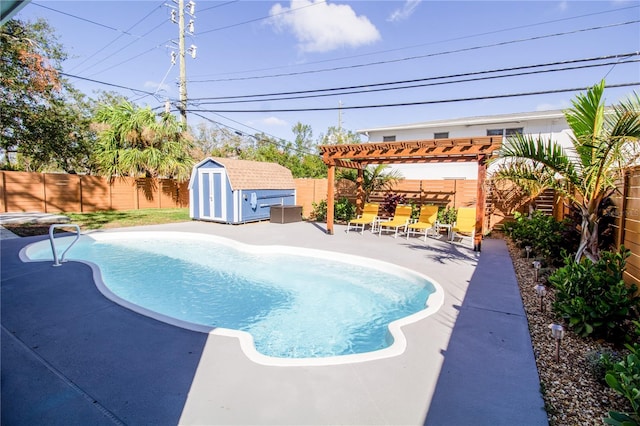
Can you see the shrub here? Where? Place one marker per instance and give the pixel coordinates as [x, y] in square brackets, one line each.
[592, 297]
[546, 236]
[624, 378]
[600, 361]
[319, 212]
[343, 210]
[390, 202]
[447, 215]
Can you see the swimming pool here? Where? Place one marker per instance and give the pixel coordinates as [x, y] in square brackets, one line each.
[283, 302]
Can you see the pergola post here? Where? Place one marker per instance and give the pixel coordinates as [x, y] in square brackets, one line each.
[331, 172]
[360, 191]
[480, 202]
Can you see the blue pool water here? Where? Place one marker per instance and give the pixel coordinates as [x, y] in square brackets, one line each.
[302, 305]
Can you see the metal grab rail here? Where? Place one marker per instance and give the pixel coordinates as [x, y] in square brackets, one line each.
[56, 261]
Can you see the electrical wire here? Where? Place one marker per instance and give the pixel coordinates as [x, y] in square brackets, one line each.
[442, 101]
[351, 57]
[429, 55]
[371, 87]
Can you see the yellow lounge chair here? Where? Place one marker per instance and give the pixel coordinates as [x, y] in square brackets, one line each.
[368, 217]
[426, 221]
[400, 218]
[465, 222]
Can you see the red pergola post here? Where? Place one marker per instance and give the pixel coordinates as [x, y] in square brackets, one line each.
[331, 172]
[480, 203]
[360, 191]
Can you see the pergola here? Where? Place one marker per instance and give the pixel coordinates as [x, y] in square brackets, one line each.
[456, 150]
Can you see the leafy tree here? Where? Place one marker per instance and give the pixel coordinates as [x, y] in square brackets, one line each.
[375, 178]
[132, 141]
[42, 118]
[604, 142]
[339, 136]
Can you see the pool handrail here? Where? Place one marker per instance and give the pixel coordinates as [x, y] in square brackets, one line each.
[56, 261]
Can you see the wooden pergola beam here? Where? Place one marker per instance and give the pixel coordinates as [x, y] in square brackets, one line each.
[358, 156]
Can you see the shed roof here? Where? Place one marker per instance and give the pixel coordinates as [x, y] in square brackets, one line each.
[246, 174]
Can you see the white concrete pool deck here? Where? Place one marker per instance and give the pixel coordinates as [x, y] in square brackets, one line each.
[70, 356]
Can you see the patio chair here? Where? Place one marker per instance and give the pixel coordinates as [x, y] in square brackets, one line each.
[465, 223]
[368, 217]
[426, 222]
[401, 218]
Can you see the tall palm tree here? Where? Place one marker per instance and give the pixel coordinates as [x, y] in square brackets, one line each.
[132, 141]
[604, 143]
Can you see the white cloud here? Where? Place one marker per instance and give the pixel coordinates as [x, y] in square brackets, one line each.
[405, 11]
[273, 121]
[321, 27]
[157, 87]
[563, 104]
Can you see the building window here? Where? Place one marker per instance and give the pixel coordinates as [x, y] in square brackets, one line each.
[441, 135]
[495, 132]
[511, 132]
[389, 138]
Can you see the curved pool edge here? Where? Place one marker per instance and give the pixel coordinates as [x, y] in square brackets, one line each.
[245, 339]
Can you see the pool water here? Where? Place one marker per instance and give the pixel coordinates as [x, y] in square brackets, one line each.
[296, 303]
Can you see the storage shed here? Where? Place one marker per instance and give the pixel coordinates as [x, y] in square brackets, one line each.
[238, 191]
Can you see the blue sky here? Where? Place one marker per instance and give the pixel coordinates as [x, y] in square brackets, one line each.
[248, 48]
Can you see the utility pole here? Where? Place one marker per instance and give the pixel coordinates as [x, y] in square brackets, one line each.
[182, 83]
[183, 66]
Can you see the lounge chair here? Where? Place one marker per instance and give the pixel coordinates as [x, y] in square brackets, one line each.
[426, 222]
[401, 218]
[368, 217]
[465, 222]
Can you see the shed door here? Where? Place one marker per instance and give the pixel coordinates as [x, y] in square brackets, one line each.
[213, 194]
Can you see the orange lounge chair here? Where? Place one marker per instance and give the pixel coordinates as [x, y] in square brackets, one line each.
[400, 219]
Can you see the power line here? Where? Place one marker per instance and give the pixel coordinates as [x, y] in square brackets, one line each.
[442, 101]
[114, 40]
[442, 77]
[448, 52]
[262, 18]
[350, 57]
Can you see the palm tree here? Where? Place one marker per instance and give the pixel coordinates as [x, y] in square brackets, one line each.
[374, 179]
[604, 143]
[133, 142]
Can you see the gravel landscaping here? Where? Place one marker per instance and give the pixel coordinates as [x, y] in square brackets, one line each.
[572, 394]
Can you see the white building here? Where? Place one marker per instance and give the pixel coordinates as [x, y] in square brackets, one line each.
[541, 123]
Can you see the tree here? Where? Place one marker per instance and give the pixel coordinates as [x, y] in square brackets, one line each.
[604, 142]
[338, 136]
[132, 141]
[375, 178]
[42, 118]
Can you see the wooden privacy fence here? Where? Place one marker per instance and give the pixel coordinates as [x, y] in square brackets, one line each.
[53, 193]
[627, 223]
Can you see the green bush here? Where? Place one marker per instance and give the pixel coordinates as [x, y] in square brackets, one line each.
[547, 237]
[592, 297]
[624, 378]
[447, 215]
[343, 210]
[600, 361]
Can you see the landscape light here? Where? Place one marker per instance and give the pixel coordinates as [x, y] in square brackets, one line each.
[536, 267]
[557, 332]
[528, 250]
[541, 291]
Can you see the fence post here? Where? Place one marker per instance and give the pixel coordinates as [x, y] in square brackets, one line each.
[622, 217]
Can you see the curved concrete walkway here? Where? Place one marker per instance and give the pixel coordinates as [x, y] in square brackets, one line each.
[70, 356]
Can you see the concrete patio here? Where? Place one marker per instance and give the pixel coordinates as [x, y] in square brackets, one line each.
[71, 356]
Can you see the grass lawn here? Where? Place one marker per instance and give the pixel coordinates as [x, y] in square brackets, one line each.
[109, 219]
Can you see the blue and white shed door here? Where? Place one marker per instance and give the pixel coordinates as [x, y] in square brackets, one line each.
[213, 194]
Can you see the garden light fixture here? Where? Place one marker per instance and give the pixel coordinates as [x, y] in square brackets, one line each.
[541, 291]
[557, 332]
[536, 267]
[528, 249]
